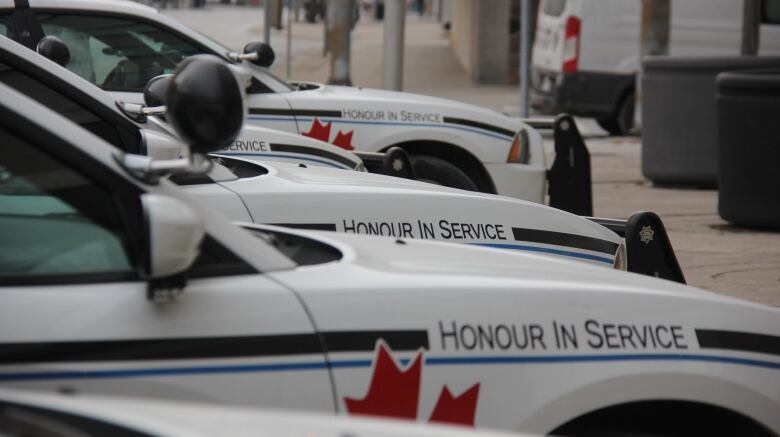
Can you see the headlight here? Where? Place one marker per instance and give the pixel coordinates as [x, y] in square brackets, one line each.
[519, 152]
[621, 261]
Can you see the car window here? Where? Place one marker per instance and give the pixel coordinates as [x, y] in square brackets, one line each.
[114, 53]
[6, 26]
[55, 222]
[71, 109]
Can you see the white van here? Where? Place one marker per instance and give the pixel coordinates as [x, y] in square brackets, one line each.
[586, 51]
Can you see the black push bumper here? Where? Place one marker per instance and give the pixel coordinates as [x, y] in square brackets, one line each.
[648, 249]
[568, 180]
[394, 162]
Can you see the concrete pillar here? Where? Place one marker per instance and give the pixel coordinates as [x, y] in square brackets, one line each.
[288, 64]
[480, 38]
[277, 14]
[297, 6]
[267, 21]
[493, 41]
[393, 45]
[751, 26]
[653, 41]
[339, 24]
[654, 33]
[525, 55]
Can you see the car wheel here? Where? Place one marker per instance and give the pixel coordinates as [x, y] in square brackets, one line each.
[438, 171]
[624, 121]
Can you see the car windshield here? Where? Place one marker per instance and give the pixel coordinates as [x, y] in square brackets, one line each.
[270, 80]
[116, 54]
[264, 74]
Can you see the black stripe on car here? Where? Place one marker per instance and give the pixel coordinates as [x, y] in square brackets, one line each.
[209, 347]
[738, 341]
[479, 125]
[289, 148]
[294, 112]
[564, 239]
[310, 226]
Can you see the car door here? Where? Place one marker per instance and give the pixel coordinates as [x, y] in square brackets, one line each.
[74, 312]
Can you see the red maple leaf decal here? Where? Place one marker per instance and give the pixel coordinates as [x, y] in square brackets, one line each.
[396, 393]
[457, 410]
[318, 131]
[344, 140]
[393, 392]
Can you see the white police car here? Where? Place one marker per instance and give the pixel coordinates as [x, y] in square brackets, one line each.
[109, 284]
[304, 196]
[121, 45]
[26, 413]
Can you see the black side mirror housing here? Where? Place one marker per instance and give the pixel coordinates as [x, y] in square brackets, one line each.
[54, 49]
[264, 54]
[205, 103]
[155, 90]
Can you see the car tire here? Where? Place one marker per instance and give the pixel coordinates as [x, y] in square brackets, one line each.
[623, 122]
[438, 171]
[609, 432]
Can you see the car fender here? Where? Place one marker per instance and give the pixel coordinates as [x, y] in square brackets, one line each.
[612, 392]
[259, 143]
[403, 137]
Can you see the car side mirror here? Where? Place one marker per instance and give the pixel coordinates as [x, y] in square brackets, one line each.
[259, 53]
[161, 147]
[54, 49]
[256, 52]
[206, 104]
[155, 90]
[174, 234]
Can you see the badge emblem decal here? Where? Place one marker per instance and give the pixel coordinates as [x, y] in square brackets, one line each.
[646, 234]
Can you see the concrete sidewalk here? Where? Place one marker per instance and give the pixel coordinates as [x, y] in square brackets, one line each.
[713, 254]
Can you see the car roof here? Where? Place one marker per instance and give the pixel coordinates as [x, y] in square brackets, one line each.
[122, 6]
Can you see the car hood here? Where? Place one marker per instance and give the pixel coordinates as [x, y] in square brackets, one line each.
[365, 203]
[455, 265]
[402, 276]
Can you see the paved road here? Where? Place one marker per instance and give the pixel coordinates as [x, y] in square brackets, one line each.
[714, 255]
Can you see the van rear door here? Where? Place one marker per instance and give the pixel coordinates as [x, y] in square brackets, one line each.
[549, 46]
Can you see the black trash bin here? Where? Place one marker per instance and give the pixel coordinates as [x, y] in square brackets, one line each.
[679, 130]
[749, 162]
